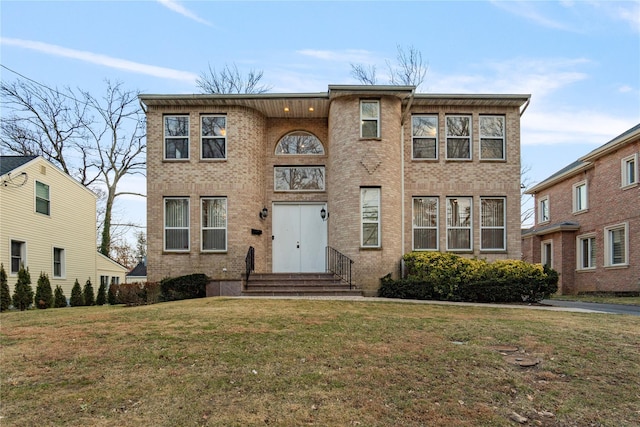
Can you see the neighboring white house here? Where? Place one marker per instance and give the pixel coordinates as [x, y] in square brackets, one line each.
[48, 224]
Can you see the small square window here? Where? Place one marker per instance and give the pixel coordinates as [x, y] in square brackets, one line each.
[370, 119]
[176, 137]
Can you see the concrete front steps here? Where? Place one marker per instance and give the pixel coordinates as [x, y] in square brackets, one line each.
[297, 284]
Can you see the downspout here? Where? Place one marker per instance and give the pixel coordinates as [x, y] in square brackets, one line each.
[402, 173]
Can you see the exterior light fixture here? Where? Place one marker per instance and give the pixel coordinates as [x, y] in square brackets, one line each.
[286, 109]
[324, 214]
[263, 213]
[311, 109]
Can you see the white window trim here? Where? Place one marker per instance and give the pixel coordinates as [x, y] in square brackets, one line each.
[579, 254]
[470, 227]
[608, 256]
[165, 137]
[574, 191]
[35, 197]
[503, 228]
[625, 183]
[165, 228]
[543, 255]
[419, 137]
[470, 137]
[437, 228]
[369, 119]
[378, 221]
[23, 255]
[504, 138]
[203, 138]
[541, 219]
[309, 134]
[279, 190]
[225, 228]
[63, 263]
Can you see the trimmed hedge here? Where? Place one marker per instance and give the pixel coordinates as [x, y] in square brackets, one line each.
[184, 287]
[449, 277]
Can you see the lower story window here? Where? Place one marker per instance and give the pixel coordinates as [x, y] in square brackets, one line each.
[104, 281]
[370, 217]
[492, 223]
[459, 214]
[214, 224]
[547, 253]
[586, 252]
[176, 224]
[18, 255]
[58, 262]
[425, 223]
[115, 280]
[616, 245]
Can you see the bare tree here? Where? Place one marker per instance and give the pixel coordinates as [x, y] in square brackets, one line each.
[230, 80]
[527, 208]
[96, 150]
[409, 69]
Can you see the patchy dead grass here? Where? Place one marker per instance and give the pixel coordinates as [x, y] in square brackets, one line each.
[240, 362]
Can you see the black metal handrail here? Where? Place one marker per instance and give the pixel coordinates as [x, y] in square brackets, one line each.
[340, 265]
[250, 262]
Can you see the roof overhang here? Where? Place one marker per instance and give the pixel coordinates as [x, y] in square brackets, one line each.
[614, 144]
[554, 179]
[552, 228]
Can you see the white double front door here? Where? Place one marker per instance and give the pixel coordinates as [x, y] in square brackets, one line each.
[299, 238]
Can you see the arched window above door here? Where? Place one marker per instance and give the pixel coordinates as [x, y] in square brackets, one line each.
[299, 142]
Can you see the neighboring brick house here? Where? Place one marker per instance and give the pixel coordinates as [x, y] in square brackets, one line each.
[48, 224]
[371, 171]
[587, 223]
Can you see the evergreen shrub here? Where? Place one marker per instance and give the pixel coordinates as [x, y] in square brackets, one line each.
[5, 293]
[101, 298]
[112, 294]
[23, 292]
[59, 300]
[77, 299]
[87, 294]
[44, 294]
[449, 277]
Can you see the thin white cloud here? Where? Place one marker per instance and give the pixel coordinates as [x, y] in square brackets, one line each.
[628, 12]
[178, 8]
[348, 55]
[104, 60]
[531, 12]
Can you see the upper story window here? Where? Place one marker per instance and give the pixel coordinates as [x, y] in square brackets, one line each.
[43, 204]
[458, 137]
[459, 223]
[214, 223]
[299, 178]
[580, 197]
[543, 209]
[630, 170]
[425, 223]
[424, 136]
[370, 119]
[176, 224]
[299, 142]
[492, 223]
[176, 137]
[492, 138]
[213, 131]
[370, 217]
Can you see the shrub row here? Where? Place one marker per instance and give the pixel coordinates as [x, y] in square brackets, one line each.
[449, 277]
[169, 289]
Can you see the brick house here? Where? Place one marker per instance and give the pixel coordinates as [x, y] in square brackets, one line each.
[587, 224]
[370, 171]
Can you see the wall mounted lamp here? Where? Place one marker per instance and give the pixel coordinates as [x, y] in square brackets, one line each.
[264, 212]
[324, 214]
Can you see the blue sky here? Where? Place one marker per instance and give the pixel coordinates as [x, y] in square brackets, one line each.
[579, 60]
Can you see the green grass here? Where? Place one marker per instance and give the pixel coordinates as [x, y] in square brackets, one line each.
[250, 362]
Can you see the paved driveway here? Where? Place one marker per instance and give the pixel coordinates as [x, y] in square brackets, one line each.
[633, 310]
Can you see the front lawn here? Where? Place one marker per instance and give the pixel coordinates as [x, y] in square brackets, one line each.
[252, 362]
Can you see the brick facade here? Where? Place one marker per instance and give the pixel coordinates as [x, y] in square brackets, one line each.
[255, 125]
[609, 204]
